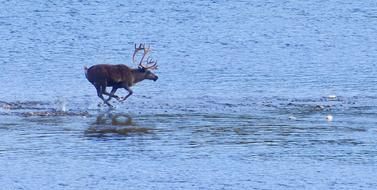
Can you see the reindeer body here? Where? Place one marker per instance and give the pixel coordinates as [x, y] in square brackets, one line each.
[110, 75]
[119, 76]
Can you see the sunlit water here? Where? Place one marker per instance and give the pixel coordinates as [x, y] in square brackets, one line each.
[241, 102]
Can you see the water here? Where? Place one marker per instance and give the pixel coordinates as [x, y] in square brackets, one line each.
[241, 102]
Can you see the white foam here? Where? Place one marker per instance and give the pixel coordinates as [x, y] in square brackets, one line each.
[61, 104]
[329, 118]
[332, 97]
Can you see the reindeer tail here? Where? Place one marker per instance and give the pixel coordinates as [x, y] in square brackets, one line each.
[86, 71]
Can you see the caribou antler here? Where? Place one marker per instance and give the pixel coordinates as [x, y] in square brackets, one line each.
[146, 50]
[152, 63]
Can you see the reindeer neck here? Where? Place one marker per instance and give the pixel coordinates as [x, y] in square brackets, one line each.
[137, 75]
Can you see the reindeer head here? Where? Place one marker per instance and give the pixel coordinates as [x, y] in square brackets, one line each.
[145, 70]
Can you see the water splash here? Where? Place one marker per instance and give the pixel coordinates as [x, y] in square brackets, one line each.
[61, 104]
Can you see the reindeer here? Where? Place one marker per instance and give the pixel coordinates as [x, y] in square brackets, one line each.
[121, 76]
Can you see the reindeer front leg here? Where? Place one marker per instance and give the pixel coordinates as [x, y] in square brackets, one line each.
[129, 93]
[112, 94]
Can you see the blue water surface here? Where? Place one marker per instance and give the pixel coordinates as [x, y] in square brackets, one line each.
[241, 102]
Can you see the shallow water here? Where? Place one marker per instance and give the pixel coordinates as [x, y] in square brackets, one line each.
[241, 102]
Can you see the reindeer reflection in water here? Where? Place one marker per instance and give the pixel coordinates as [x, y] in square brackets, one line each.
[118, 124]
[121, 76]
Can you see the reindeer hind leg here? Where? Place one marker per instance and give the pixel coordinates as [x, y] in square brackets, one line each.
[100, 91]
